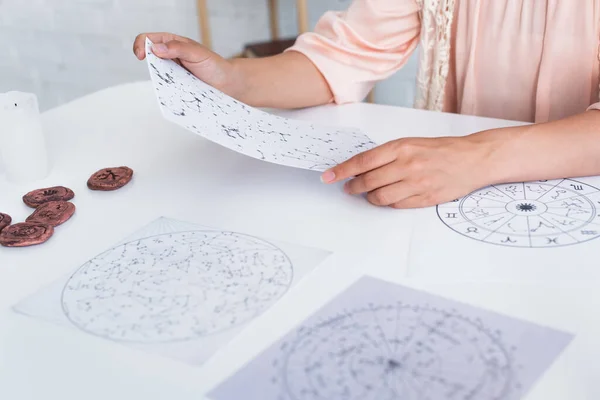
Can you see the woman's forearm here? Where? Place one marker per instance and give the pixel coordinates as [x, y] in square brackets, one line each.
[288, 80]
[565, 148]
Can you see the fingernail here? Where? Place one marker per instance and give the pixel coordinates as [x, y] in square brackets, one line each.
[160, 48]
[327, 177]
[140, 53]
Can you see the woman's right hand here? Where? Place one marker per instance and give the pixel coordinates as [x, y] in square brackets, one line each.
[205, 64]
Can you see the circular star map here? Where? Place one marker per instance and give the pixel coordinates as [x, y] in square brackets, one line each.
[397, 352]
[531, 214]
[177, 286]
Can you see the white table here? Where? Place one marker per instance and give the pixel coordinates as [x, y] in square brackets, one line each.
[180, 175]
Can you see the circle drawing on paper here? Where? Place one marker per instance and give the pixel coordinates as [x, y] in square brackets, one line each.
[396, 352]
[531, 214]
[176, 286]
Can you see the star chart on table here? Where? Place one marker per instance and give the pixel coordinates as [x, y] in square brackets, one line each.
[176, 286]
[396, 351]
[206, 111]
[381, 341]
[531, 214]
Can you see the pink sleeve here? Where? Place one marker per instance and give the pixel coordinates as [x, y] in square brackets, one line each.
[365, 44]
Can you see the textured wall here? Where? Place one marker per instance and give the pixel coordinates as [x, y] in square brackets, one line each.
[63, 49]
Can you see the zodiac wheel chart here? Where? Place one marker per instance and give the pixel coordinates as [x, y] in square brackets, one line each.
[397, 352]
[177, 286]
[531, 214]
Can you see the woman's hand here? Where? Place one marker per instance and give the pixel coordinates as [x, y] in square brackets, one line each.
[419, 172]
[288, 80]
[207, 65]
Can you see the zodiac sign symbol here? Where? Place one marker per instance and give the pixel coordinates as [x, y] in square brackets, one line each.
[564, 222]
[540, 225]
[508, 240]
[491, 194]
[478, 212]
[450, 215]
[513, 189]
[574, 203]
[558, 193]
[576, 211]
[539, 189]
[554, 240]
[509, 225]
[589, 232]
[472, 230]
[477, 199]
[574, 207]
[577, 187]
[492, 222]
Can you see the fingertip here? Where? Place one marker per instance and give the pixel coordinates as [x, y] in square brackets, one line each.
[160, 48]
[347, 188]
[140, 54]
[328, 176]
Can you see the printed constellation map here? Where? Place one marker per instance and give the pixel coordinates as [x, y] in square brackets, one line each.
[530, 214]
[397, 352]
[176, 286]
[204, 110]
[382, 341]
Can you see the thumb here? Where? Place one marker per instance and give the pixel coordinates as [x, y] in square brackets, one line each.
[190, 52]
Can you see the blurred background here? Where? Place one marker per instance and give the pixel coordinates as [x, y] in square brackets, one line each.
[65, 49]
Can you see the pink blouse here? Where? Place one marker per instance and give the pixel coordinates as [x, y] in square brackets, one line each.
[527, 60]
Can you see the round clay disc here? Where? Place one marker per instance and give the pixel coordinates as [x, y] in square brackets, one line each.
[25, 234]
[110, 178]
[52, 213]
[38, 197]
[5, 221]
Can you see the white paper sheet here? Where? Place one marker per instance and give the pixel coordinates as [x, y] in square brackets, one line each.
[204, 110]
[176, 289]
[381, 341]
[535, 231]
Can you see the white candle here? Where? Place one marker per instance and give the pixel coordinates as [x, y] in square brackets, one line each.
[22, 144]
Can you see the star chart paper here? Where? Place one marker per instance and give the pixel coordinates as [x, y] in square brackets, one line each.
[176, 289]
[542, 231]
[204, 110]
[382, 341]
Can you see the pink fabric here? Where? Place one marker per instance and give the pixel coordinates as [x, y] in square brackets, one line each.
[527, 60]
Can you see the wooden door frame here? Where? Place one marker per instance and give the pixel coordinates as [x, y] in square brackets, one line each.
[204, 21]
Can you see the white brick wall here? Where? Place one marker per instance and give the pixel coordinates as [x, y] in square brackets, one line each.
[63, 49]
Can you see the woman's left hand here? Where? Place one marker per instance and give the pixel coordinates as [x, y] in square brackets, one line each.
[418, 172]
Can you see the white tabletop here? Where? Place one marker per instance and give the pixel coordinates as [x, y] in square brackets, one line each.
[180, 175]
